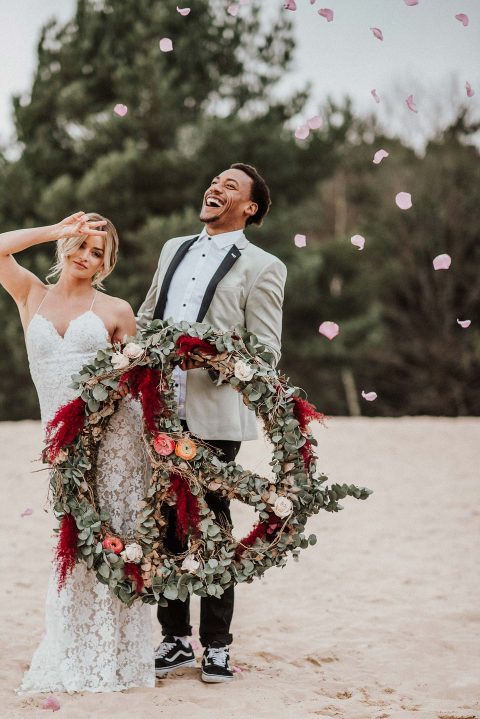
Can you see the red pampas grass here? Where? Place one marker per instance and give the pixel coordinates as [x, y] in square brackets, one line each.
[305, 412]
[66, 552]
[186, 344]
[65, 426]
[258, 532]
[133, 572]
[143, 383]
[188, 512]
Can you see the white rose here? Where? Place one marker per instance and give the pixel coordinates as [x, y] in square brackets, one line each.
[132, 350]
[243, 371]
[190, 564]
[282, 507]
[119, 361]
[132, 553]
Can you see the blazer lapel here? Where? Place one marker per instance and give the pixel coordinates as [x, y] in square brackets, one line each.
[177, 258]
[227, 263]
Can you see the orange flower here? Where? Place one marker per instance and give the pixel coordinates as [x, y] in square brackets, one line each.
[186, 448]
[164, 445]
[114, 544]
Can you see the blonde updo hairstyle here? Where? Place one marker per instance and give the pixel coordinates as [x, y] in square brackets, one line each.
[69, 245]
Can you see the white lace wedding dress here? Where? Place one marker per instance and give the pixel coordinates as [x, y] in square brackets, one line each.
[92, 641]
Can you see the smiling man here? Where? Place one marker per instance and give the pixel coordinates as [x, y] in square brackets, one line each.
[220, 278]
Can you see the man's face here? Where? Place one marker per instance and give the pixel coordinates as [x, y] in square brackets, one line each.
[227, 200]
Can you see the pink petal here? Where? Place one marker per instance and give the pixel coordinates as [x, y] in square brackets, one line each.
[404, 200]
[233, 9]
[442, 262]
[329, 330]
[315, 122]
[369, 396]
[326, 13]
[51, 703]
[410, 102]
[377, 32]
[183, 11]
[166, 45]
[120, 110]
[411, 3]
[302, 132]
[312, 2]
[300, 240]
[290, 5]
[379, 155]
[358, 241]
[470, 92]
[237, 670]
[27, 512]
[374, 95]
[464, 323]
[461, 17]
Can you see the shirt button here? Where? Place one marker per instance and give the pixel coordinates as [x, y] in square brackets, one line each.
[176, 384]
[203, 255]
[184, 305]
[193, 278]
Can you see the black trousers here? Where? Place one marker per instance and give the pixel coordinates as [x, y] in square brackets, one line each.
[215, 613]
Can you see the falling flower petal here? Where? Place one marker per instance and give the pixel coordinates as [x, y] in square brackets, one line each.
[442, 262]
[120, 110]
[329, 330]
[358, 241]
[51, 703]
[183, 11]
[377, 32]
[315, 122]
[374, 95]
[464, 323]
[237, 670]
[27, 512]
[166, 45]
[369, 396]
[290, 5]
[379, 156]
[470, 92]
[461, 17]
[300, 240]
[410, 3]
[326, 13]
[233, 9]
[302, 132]
[410, 102]
[404, 200]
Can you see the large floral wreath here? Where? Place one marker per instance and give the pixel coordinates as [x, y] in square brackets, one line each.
[184, 469]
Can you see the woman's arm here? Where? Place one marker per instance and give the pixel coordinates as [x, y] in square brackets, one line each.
[125, 322]
[16, 279]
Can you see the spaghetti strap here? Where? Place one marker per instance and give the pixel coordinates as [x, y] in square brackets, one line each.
[93, 301]
[41, 303]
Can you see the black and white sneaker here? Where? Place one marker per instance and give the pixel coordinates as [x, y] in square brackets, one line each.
[172, 654]
[215, 667]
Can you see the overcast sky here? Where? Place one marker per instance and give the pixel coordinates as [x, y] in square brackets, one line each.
[425, 51]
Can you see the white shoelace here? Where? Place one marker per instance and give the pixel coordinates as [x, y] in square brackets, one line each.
[218, 655]
[163, 649]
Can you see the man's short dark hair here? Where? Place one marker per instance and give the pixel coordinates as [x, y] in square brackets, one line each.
[260, 194]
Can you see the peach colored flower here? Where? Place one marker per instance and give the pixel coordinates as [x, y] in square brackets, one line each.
[114, 544]
[186, 448]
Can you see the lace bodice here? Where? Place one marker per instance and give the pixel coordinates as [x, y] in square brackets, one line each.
[53, 358]
[92, 641]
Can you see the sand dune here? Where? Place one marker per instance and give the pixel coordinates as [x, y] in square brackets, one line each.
[379, 620]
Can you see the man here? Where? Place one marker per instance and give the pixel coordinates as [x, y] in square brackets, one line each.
[220, 278]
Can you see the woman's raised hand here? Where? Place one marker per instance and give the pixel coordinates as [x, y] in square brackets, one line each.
[78, 224]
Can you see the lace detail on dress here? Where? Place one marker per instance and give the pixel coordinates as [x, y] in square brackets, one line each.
[92, 641]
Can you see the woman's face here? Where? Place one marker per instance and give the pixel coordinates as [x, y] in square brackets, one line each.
[87, 259]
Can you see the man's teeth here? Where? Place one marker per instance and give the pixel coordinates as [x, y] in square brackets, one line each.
[212, 202]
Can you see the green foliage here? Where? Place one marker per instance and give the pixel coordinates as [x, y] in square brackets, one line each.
[214, 100]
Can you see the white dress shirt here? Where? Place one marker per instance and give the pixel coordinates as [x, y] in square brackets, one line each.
[188, 287]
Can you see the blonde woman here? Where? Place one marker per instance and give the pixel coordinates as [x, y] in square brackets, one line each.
[92, 642]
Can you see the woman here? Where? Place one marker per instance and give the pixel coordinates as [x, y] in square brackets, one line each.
[92, 641]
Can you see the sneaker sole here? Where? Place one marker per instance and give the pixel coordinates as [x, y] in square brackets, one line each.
[209, 679]
[160, 673]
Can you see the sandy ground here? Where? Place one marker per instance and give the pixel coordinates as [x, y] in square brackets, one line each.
[379, 620]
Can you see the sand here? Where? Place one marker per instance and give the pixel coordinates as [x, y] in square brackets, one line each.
[379, 620]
